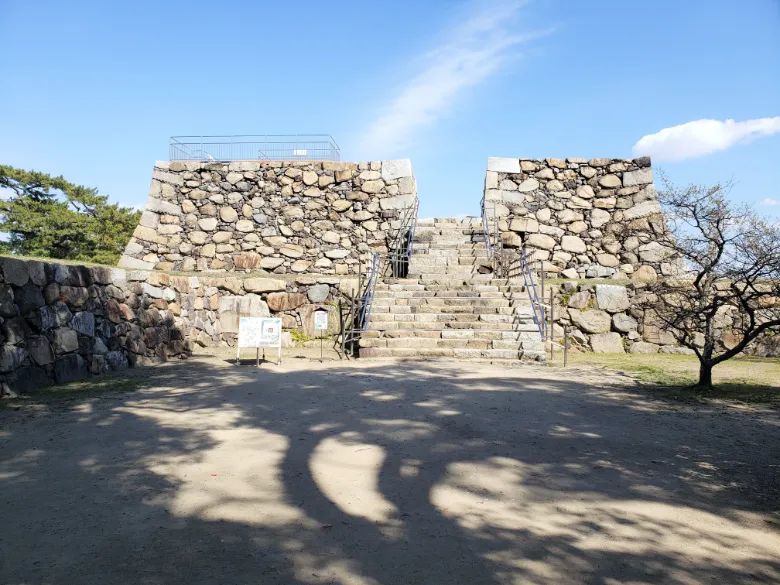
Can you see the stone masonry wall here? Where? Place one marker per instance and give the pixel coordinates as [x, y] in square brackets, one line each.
[611, 318]
[573, 212]
[301, 217]
[60, 323]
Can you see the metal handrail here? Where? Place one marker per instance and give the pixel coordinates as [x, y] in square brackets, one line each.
[502, 264]
[401, 248]
[368, 295]
[486, 229]
[533, 294]
[357, 317]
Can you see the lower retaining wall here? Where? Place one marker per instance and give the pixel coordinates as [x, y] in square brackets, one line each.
[62, 323]
[607, 318]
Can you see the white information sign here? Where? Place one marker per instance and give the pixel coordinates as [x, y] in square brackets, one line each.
[259, 332]
[321, 319]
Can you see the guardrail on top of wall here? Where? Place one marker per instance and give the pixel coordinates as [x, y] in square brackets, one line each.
[254, 147]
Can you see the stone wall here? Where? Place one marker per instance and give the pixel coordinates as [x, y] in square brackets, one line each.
[283, 217]
[574, 213]
[611, 318]
[604, 318]
[60, 323]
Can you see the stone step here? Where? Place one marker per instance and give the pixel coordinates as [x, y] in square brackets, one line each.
[448, 287]
[447, 293]
[424, 342]
[450, 280]
[442, 302]
[378, 319]
[449, 309]
[470, 246]
[420, 352]
[480, 334]
[429, 253]
[425, 261]
[427, 224]
[455, 268]
[519, 327]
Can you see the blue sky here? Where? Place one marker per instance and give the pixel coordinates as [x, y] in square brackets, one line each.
[93, 90]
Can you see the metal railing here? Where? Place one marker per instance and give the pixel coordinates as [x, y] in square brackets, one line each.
[401, 248]
[290, 147]
[486, 227]
[506, 261]
[533, 294]
[356, 316]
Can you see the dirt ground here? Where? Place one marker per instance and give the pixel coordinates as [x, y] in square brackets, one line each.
[386, 472]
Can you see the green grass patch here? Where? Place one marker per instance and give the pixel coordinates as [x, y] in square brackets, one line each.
[95, 386]
[56, 260]
[747, 380]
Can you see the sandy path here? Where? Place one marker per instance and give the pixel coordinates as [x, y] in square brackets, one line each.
[386, 473]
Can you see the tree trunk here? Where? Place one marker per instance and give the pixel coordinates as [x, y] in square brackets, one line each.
[705, 374]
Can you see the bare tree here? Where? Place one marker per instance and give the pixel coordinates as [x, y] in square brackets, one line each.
[727, 292]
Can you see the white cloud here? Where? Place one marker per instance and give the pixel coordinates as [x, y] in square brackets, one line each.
[770, 201]
[702, 137]
[471, 52]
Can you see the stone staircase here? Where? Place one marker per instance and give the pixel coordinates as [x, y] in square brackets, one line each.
[449, 305]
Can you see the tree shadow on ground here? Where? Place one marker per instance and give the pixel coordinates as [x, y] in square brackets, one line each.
[385, 473]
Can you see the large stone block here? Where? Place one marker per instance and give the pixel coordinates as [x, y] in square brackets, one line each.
[524, 224]
[256, 285]
[116, 361]
[612, 298]
[591, 321]
[149, 219]
[7, 305]
[135, 263]
[540, 241]
[653, 252]
[318, 293]
[14, 271]
[65, 340]
[503, 165]
[643, 209]
[528, 185]
[640, 177]
[284, 301]
[643, 347]
[160, 206]
[15, 330]
[607, 343]
[70, 368]
[395, 169]
[624, 323]
[573, 244]
[232, 308]
[207, 224]
[72, 275]
[83, 322]
[29, 298]
[11, 357]
[40, 350]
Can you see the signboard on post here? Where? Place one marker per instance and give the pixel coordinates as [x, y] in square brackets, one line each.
[259, 332]
[321, 324]
[321, 319]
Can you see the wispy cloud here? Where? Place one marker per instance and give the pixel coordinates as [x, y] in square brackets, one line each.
[702, 137]
[770, 201]
[469, 54]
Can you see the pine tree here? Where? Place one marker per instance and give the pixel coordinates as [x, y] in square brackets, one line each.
[50, 217]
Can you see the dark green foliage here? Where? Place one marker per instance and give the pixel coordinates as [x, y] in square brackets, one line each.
[50, 217]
